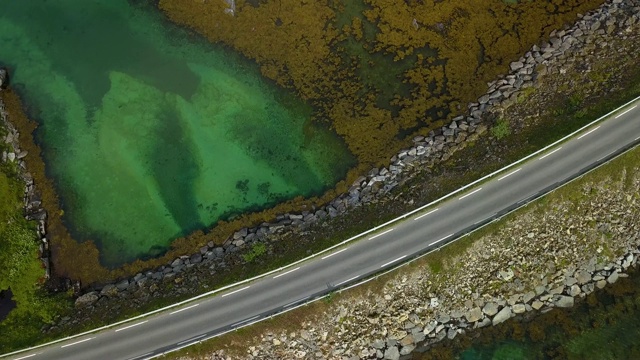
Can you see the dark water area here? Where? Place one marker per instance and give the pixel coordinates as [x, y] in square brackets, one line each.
[149, 131]
[6, 303]
[604, 325]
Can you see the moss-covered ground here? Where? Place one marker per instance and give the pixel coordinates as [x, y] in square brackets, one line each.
[20, 267]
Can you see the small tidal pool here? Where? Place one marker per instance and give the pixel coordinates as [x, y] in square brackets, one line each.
[150, 132]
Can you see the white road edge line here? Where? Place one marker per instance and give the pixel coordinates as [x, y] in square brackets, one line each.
[392, 261]
[183, 309]
[130, 326]
[296, 301]
[77, 342]
[469, 194]
[141, 356]
[288, 272]
[604, 157]
[26, 357]
[233, 292]
[193, 338]
[423, 215]
[588, 132]
[437, 241]
[536, 153]
[549, 153]
[382, 233]
[244, 321]
[629, 109]
[337, 252]
[346, 281]
[509, 174]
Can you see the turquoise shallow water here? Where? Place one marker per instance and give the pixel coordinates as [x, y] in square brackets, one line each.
[149, 131]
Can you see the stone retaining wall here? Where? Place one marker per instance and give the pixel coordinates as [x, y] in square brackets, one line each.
[616, 16]
[560, 291]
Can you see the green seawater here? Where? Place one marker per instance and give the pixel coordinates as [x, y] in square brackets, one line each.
[149, 131]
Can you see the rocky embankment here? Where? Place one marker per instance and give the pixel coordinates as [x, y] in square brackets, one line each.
[593, 32]
[32, 204]
[549, 256]
[538, 261]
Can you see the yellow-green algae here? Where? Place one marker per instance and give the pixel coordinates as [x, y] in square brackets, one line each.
[150, 132]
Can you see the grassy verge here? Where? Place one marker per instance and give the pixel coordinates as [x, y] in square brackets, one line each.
[439, 262]
[20, 268]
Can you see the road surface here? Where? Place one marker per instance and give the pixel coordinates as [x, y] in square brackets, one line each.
[420, 232]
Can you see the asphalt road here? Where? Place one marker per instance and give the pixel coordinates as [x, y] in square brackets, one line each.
[431, 228]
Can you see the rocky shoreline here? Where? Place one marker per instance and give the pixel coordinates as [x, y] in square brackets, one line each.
[32, 205]
[613, 18]
[544, 266]
[532, 265]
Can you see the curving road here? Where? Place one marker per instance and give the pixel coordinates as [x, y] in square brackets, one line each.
[420, 232]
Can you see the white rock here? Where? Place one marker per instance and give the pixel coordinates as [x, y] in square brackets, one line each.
[502, 315]
[519, 308]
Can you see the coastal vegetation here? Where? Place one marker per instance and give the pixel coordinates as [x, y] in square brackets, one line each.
[345, 59]
[380, 72]
[474, 161]
[21, 271]
[618, 178]
[142, 154]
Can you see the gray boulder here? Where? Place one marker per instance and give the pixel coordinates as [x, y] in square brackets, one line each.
[474, 315]
[443, 318]
[484, 323]
[407, 349]
[537, 304]
[526, 298]
[490, 308]
[123, 285]
[431, 325]
[502, 316]
[516, 65]
[583, 277]
[392, 353]
[575, 290]
[562, 301]
[519, 308]
[196, 258]
[176, 262]
[87, 299]
[457, 314]
[109, 290]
